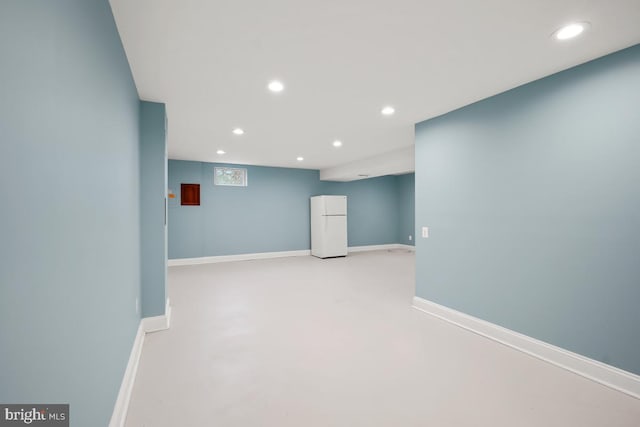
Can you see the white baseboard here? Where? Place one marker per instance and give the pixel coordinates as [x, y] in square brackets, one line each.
[240, 257]
[158, 323]
[617, 379]
[410, 248]
[147, 325]
[386, 247]
[126, 387]
[282, 254]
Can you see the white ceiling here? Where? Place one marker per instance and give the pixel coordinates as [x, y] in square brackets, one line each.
[341, 62]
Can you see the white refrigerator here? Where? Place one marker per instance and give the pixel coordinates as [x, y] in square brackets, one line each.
[328, 226]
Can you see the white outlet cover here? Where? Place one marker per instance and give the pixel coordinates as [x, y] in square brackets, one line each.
[425, 232]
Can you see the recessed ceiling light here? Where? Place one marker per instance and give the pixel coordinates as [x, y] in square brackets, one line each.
[299, 158]
[238, 131]
[220, 152]
[276, 86]
[337, 143]
[388, 110]
[571, 30]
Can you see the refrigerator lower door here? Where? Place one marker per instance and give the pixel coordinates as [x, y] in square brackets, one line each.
[335, 236]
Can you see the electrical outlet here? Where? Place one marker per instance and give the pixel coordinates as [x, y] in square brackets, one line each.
[425, 232]
[410, 237]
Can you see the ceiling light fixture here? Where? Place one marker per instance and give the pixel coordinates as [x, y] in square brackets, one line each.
[570, 31]
[238, 131]
[388, 110]
[276, 86]
[220, 152]
[299, 158]
[337, 143]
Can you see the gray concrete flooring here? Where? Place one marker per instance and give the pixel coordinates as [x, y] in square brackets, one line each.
[308, 342]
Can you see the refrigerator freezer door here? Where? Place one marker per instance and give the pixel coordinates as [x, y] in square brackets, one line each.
[335, 205]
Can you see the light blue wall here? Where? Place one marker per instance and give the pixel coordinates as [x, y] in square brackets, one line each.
[153, 187]
[69, 182]
[406, 208]
[372, 209]
[272, 213]
[533, 200]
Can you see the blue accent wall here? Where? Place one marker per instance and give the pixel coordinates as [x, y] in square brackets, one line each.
[272, 213]
[372, 209]
[532, 198]
[70, 218]
[406, 208]
[153, 187]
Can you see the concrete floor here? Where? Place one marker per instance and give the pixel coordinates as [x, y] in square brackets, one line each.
[309, 342]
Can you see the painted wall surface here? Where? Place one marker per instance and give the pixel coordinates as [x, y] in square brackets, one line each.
[153, 187]
[532, 199]
[372, 209]
[272, 213]
[70, 223]
[406, 208]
